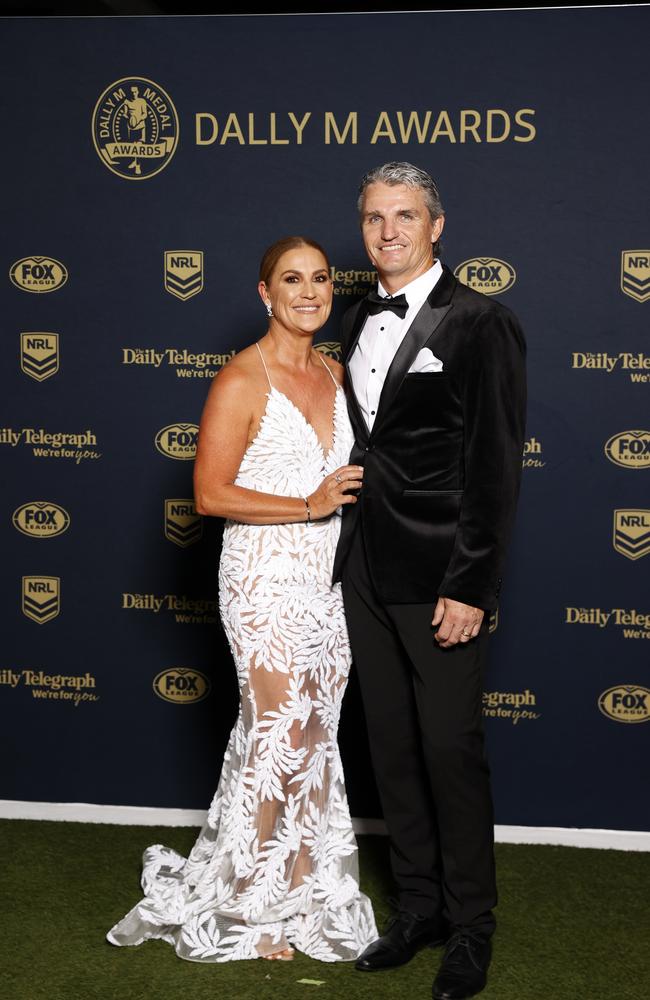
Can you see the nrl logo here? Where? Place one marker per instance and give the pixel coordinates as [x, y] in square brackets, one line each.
[39, 355]
[184, 272]
[41, 598]
[183, 526]
[332, 348]
[635, 274]
[632, 533]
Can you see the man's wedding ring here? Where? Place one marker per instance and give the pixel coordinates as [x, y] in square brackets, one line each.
[465, 633]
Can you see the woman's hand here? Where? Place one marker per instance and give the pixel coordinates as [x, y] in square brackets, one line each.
[332, 492]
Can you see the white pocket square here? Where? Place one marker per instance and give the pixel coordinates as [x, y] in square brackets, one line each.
[426, 361]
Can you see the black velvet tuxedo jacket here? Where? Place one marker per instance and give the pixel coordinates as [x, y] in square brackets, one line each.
[442, 463]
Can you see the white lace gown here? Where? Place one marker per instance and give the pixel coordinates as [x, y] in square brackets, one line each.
[276, 860]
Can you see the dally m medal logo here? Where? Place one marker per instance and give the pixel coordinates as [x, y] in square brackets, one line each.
[41, 598]
[486, 274]
[38, 274]
[181, 685]
[632, 533]
[184, 272]
[626, 703]
[631, 449]
[183, 526]
[178, 441]
[332, 348]
[40, 519]
[135, 128]
[635, 274]
[39, 355]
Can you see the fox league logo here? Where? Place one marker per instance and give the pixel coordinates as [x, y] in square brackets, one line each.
[486, 274]
[181, 685]
[40, 519]
[178, 441]
[629, 449]
[38, 274]
[626, 703]
[135, 128]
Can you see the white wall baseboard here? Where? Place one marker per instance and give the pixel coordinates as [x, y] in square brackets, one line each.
[84, 812]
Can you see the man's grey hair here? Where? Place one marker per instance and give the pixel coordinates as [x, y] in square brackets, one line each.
[400, 172]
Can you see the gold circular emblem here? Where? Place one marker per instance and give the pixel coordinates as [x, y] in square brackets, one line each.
[135, 128]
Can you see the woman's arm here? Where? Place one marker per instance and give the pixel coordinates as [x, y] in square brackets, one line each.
[224, 432]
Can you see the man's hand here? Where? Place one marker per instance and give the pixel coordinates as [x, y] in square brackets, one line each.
[458, 622]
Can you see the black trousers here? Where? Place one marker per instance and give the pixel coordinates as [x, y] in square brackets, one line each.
[423, 708]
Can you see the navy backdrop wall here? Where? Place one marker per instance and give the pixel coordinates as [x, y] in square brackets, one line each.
[148, 162]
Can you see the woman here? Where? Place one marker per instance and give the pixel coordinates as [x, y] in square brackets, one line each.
[275, 865]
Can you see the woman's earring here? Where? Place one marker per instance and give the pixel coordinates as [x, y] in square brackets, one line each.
[268, 309]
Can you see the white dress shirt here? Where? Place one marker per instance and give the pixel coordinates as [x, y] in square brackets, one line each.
[380, 338]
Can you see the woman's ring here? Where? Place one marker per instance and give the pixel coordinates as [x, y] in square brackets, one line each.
[337, 477]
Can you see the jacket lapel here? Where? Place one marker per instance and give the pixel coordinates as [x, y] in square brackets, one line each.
[423, 326]
[350, 342]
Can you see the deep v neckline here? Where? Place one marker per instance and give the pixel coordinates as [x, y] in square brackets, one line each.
[326, 452]
[337, 388]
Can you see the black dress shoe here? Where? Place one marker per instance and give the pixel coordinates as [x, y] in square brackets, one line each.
[405, 934]
[463, 972]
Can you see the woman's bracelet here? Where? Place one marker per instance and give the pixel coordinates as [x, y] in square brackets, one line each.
[308, 510]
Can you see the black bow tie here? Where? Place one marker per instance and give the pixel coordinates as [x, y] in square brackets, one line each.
[377, 304]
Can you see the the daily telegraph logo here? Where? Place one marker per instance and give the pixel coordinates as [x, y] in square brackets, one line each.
[187, 364]
[635, 274]
[182, 685]
[40, 519]
[183, 526]
[178, 441]
[353, 281]
[511, 706]
[39, 355]
[76, 689]
[635, 364]
[632, 532]
[135, 128]
[183, 272]
[633, 623]
[626, 703]
[631, 449]
[486, 274]
[41, 598]
[38, 274]
[532, 458]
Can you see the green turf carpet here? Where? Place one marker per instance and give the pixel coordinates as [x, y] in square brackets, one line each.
[573, 925]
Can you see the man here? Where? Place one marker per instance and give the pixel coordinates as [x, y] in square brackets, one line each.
[437, 398]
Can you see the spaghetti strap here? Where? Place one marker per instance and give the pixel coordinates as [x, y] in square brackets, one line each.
[264, 363]
[327, 368]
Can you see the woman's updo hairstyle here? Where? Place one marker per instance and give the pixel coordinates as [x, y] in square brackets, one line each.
[272, 255]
